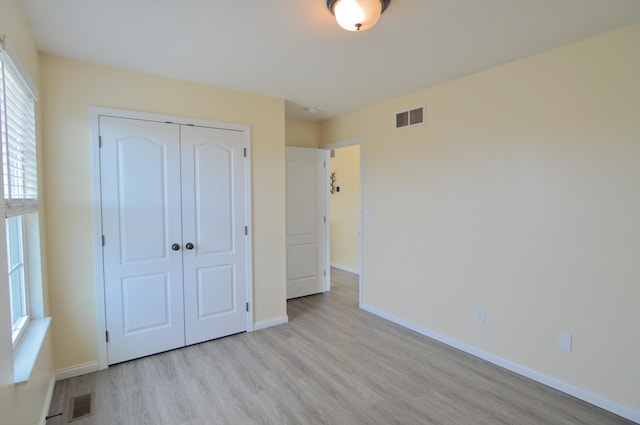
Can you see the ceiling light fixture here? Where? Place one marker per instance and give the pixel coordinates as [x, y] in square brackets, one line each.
[357, 15]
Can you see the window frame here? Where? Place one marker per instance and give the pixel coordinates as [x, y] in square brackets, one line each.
[18, 143]
[19, 327]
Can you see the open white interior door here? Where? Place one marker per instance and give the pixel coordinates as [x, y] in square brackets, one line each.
[306, 262]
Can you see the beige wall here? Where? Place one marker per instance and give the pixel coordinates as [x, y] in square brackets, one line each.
[345, 209]
[304, 134]
[69, 89]
[21, 404]
[520, 195]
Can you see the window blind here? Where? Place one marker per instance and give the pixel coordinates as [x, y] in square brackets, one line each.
[17, 119]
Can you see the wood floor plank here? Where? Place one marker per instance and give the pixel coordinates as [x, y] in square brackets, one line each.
[331, 364]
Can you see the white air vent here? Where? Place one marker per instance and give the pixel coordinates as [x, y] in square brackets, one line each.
[409, 118]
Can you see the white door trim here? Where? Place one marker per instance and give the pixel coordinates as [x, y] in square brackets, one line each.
[337, 145]
[327, 225]
[95, 113]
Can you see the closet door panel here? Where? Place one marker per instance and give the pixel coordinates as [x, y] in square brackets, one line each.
[213, 201]
[141, 212]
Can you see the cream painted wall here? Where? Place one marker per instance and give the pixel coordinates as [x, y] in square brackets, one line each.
[520, 195]
[345, 209]
[304, 134]
[69, 89]
[22, 405]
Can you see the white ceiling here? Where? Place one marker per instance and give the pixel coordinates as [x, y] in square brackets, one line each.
[293, 49]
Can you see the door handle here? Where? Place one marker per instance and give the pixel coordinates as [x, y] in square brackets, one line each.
[175, 247]
[189, 245]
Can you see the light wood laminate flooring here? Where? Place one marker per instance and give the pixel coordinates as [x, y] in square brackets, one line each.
[331, 364]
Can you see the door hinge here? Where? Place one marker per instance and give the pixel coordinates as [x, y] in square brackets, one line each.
[99, 141]
[246, 230]
[107, 336]
[324, 218]
[245, 152]
[247, 306]
[102, 240]
[324, 164]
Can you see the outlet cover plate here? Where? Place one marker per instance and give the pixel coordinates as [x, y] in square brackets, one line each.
[564, 341]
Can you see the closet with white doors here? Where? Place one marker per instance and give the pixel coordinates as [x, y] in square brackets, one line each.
[174, 213]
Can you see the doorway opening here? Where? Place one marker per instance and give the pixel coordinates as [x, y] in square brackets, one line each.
[344, 208]
[323, 215]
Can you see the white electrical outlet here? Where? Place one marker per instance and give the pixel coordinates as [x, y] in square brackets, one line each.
[480, 316]
[564, 341]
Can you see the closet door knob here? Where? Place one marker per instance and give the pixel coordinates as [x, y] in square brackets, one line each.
[189, 245]
[175, 247]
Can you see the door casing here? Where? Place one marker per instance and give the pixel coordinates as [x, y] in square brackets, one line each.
[95, 113]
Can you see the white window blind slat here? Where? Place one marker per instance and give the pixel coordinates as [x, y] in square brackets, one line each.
[19, 160]
[23, 207]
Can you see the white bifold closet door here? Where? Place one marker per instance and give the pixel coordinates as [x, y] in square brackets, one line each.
[173, 212]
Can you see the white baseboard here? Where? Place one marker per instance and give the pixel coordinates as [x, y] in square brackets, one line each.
[345, 268]
[269, 323]
[580, 393]
[47, 400]
[73, 371]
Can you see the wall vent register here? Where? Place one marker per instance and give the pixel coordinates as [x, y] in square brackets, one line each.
[80, 407]
[409, 118]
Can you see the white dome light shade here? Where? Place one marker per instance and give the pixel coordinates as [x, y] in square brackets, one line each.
[357, 15]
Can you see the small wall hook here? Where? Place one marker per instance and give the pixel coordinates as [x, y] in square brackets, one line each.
[332, 184]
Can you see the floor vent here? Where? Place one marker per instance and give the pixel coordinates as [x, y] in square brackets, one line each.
[409, 118]
[80, 407]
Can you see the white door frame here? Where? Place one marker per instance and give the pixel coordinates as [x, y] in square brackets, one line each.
[328, 148]
[95, 113]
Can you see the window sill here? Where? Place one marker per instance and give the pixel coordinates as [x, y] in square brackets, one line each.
[28, 350]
